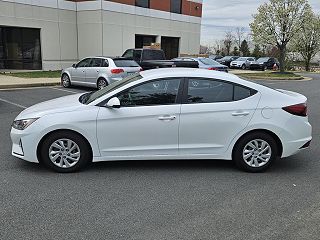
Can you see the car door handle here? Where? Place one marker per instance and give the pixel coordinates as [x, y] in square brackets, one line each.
[240, 114]
[167, 118]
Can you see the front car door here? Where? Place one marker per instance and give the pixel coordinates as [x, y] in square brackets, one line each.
[212, 114]
[93, 71]
[145, 125]
[78, 75]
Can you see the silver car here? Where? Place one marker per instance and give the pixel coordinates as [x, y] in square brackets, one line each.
[98, 72]
[242, 62]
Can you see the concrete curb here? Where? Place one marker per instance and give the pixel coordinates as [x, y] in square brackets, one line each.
[26, 85]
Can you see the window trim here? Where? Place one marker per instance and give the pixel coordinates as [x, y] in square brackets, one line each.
[184, 97]
[178, 100]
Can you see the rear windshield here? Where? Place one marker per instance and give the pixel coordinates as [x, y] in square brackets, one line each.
[208, 61]
[125, 63]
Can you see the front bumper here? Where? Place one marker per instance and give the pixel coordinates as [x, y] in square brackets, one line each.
[24, 145]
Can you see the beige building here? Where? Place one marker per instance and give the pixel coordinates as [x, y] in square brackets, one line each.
[53, 34]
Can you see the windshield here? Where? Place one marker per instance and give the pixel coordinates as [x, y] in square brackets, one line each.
[90, 97]
[262, 60]
[208, 61]
[242, 59]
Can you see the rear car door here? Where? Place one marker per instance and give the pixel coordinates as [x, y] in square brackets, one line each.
[146, 124]
[213, 112]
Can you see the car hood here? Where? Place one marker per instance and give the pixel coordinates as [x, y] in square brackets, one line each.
[238, 62]
[258, 63]
[62, 104]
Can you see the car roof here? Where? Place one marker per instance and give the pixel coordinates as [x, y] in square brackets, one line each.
[188, 72]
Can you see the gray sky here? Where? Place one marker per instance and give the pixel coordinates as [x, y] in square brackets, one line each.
[220, 16]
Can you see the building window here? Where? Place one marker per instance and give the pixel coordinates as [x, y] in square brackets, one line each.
[175, 6]
[143, 3]
[20, 48]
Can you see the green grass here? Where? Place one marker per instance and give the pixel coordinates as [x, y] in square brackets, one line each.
[271, 76]
[35, 74]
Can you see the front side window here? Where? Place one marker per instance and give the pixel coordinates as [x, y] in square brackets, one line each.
[176, 6]
[160, 92]
[214, 91]
[84, 62]
[142, 3]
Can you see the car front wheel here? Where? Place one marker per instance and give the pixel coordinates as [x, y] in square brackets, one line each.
[65, 152]
[65, 81]
[255, 152]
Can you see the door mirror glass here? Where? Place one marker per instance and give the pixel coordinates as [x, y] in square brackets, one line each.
[113, 103]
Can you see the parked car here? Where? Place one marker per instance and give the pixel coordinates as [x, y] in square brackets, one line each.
[159, 114]
[227, 60]
[205, 63]
[242, 62]
[155, 58]
[98, 72]
[265, 63]
[215, 57]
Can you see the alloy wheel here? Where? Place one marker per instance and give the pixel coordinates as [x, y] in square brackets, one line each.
[64, 153]
[102, 84]
[257, 153]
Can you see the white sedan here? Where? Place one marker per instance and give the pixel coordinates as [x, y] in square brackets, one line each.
[165, 114]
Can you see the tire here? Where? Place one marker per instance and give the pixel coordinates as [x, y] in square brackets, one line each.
[264, 68]
[101, 83]
[255, 152]
[243, 67]
[55, 152]
[65, 81]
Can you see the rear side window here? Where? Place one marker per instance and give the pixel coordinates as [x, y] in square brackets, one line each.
[125, 63]
[105, 63]
[241, 93]
[214, 91]
[96, 62]
[153, 55]
[209, 91]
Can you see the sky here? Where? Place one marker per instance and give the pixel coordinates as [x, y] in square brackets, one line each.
[220, 16]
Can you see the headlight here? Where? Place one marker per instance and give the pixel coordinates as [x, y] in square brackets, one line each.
[23, 123]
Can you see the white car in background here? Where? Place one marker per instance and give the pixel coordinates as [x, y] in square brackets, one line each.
[165, 114]
[242, 62]
[98, 72]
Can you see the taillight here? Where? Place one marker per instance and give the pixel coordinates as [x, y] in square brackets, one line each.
[117, 71]
[212, 68]
[298, 109]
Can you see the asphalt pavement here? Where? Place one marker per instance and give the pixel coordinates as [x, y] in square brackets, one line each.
[159, 199]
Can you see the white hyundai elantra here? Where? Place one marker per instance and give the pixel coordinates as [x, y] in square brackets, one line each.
[165, 114]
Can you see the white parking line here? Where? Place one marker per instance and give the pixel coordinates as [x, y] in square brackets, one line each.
[12, 103]
[64, 90]
[25, 88]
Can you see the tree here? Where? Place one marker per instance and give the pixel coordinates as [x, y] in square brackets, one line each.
[277, 22]
[307, 43]
[235, 51]
[257, 51]
[239, 36]
[244, 48]
[228, 42]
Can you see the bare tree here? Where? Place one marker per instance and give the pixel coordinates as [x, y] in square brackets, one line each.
[228, 42]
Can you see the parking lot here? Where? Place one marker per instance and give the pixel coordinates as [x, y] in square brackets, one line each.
[159, 199]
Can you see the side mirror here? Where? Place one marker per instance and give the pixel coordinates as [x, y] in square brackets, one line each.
[113, 103]
[74, 65]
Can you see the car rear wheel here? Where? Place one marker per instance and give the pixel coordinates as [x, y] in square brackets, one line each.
[102, 83]
[255, 152]
[65, 81]
[65, 152]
